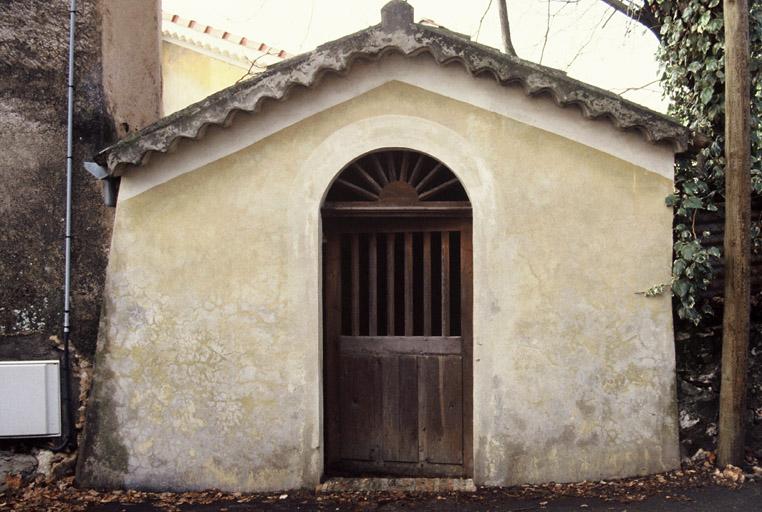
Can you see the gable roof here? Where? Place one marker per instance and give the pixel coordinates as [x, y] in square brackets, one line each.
[397, 33]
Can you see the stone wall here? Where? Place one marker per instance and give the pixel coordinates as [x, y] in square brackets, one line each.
[34, 43]
[33, 91]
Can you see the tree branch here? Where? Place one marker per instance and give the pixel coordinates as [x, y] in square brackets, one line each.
[640, 14]
[506, 29]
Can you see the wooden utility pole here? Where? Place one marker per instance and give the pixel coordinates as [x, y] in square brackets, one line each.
[505, 28]
[735, 322]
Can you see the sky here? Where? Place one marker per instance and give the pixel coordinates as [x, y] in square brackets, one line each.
[585, 38]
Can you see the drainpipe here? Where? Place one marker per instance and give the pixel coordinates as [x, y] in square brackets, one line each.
[68, 439]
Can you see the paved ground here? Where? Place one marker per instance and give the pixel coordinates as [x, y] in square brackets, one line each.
[708, 499]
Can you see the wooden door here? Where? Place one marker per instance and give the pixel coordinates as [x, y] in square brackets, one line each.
[398, 364]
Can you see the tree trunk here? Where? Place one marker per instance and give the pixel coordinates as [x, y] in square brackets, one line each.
[735, 325]
[505, 28]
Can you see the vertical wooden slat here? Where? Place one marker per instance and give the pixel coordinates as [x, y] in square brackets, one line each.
[355, 264]
[408, 284]
[422, 416]
[427, 283]
[445, 283]
[330, 343]
[372, 285]
[390, 284]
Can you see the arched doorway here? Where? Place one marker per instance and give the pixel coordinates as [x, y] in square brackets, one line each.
[398, 318]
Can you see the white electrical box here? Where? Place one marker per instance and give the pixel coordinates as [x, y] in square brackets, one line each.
[30, 399]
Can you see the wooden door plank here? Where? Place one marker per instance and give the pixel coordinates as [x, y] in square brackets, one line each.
[355, 288]
[359, 395]
[390, 284]
[442, 408]
[381, 345]
[426, 284]
[445, 283]
[372, 285]
[400, 409]
[394, 225]
[408, 284]
[390, 369]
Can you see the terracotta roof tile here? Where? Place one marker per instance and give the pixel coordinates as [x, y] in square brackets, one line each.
[193, 32]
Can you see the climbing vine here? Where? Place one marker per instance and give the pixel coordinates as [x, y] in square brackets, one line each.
[692, 54]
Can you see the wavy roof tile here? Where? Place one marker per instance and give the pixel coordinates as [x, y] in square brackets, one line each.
[397, 33]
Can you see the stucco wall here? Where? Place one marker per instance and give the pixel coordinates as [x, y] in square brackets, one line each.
[209, 365]
[190, 76]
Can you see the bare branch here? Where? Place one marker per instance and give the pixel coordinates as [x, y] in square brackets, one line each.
[481, 20]
[547, 31]
[254, 65]
[638, 88]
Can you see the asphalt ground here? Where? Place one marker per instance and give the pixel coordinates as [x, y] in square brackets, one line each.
[706, 499]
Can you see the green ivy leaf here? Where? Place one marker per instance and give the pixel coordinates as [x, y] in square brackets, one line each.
[680, 288]
[693, 202]
[706, 95]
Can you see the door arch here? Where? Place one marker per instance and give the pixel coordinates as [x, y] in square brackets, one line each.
[397, 308]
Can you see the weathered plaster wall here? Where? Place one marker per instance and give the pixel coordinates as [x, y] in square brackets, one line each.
[208, 370]
[190, 76]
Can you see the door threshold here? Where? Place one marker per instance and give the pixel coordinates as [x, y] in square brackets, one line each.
[405, 484]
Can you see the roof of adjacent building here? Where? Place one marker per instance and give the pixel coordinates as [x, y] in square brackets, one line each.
[235, 49]
[397, 33]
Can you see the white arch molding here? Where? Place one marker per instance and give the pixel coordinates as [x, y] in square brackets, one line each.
[319, 171]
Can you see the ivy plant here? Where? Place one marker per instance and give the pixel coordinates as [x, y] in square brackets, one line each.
[692, 56]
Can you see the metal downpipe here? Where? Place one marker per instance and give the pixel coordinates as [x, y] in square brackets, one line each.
[68, 440]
